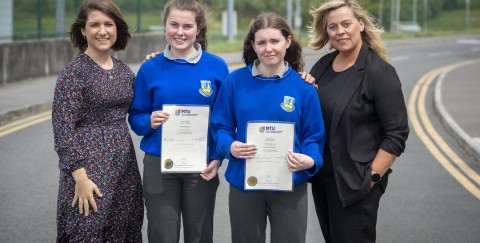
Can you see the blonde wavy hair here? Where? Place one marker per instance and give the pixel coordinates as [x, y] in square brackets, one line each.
[371, 36]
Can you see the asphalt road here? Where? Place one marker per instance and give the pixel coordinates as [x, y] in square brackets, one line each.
[423, 202]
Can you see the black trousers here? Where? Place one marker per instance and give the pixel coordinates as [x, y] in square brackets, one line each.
[355, 223]
[286, 211]
[171, 196]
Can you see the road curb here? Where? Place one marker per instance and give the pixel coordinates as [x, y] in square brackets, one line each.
[24, 111]
[461, 137]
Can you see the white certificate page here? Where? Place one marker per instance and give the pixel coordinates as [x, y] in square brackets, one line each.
[184, 139]
[268, 169]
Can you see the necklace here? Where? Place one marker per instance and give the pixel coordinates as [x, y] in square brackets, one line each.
[103, 65]
[109, 73]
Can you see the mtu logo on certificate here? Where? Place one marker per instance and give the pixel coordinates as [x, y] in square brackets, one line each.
[264, 129]
[179, 112]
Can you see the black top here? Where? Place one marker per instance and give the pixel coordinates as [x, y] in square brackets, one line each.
[329, 86]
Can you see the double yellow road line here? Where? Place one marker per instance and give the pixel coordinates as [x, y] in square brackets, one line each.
[435, 144]
[24, 123]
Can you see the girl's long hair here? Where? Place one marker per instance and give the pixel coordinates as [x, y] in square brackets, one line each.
[272, 20]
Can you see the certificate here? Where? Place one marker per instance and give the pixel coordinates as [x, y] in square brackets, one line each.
[268, 169]
[184, 139]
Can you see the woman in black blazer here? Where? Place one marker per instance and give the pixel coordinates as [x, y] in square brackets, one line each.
[365, 121]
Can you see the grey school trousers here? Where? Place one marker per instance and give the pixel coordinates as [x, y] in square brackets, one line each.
[286, 211]
[169, 196]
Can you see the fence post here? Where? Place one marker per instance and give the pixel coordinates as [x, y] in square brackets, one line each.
[39, 19]
[60, 18]
[139, 12]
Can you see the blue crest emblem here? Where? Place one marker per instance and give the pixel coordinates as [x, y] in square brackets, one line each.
[206, 88]
[288, 104]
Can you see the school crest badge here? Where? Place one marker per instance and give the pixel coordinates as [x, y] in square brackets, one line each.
[206, 88]
[288, 104]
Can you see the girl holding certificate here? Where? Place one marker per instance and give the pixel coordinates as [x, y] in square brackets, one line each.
[184, 73]
[269, 89]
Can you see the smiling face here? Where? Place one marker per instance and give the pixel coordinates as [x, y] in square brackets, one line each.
[100, 31]
[270, 46]
[344, 30]
[181, 31]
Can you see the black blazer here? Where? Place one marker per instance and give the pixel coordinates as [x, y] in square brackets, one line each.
[369, 114]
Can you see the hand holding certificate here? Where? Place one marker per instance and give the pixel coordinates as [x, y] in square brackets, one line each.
[268, 169]
[184, 139]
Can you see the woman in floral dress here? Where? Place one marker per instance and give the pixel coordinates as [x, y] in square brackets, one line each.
[100, 191]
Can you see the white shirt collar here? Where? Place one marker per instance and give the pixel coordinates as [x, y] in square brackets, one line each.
[191, 59]
[255, 71]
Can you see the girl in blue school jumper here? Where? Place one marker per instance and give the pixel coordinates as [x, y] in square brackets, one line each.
[184, 73]
[269, 88]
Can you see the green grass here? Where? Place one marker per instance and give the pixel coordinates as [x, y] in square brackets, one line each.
[217, 43]
[455, 20]
[447, 23]
[146, 20]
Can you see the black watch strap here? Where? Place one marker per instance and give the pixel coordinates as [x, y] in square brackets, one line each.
[376, 177]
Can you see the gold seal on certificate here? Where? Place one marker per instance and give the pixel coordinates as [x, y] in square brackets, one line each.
[268, 169]
[252, 181]
[185, 138]
[168, 164]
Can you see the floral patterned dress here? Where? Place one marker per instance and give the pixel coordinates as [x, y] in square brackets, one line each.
[90, 131]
